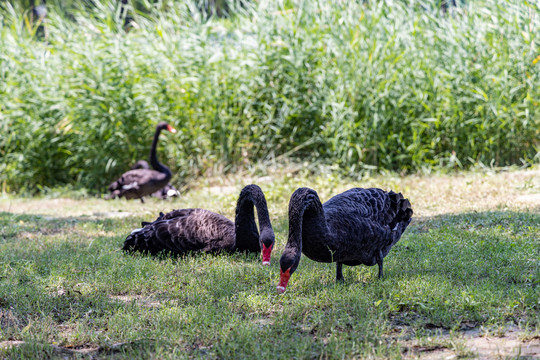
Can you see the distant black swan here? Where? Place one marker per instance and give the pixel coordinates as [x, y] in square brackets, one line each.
[359, 226]
[186, 230]
[165, 192]
[135, 184]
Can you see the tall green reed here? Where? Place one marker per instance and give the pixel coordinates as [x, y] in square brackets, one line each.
[376, 85]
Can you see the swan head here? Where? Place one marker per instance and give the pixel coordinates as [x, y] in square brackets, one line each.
[165, 126]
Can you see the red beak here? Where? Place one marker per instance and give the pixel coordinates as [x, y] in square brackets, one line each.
[283, 280]
[266, 253]
[171, 129]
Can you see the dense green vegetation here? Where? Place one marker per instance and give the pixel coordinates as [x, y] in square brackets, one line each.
[66, 286]
[356, 85]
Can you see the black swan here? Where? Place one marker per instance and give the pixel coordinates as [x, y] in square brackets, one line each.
[359, 226]
[186, 230]
[135, 184]
[165, 192]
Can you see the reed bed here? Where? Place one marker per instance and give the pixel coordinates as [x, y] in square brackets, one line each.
[358, 86]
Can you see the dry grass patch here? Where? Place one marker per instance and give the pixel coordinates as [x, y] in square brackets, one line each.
[140, 300]
[433, 194]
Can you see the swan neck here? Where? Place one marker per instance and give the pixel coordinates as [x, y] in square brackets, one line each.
[153, 155]
[306, 218]
[247, 235]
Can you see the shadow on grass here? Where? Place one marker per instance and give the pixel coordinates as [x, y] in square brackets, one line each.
[15, 226]
[77, 255]
[447, 271]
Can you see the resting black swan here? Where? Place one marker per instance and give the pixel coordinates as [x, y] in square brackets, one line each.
[186, 230]
[359, 226]
[135, 184]
[165, 192]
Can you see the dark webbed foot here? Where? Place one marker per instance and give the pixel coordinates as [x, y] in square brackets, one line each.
[380, 263]
[339, 272]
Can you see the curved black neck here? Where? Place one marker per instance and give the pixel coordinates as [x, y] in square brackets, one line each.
[247, 235]
[153, 155]
[307, 224]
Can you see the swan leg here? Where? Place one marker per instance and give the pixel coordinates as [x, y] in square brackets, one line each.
[380, 263]
[339, 272]
[142, 199]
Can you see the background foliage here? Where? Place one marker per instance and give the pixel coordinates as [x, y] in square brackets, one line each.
[394, 85]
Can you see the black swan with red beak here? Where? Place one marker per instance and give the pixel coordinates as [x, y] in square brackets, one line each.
[180, 231]
[359, 226]
[135, 184]
[168, 191]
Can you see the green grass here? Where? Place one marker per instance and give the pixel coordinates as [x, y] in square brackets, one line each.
[64, 284]
[384, 85]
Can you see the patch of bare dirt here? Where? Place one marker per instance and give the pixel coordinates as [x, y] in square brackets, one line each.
[492, 347]
[474, 344]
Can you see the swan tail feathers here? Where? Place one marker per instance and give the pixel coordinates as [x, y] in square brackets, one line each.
[153, 238]
[138, 240]
[400, 211]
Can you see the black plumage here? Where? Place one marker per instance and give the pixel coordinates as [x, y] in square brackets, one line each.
[358, 226]
[165, 192]
[135, 184]
[180, 231]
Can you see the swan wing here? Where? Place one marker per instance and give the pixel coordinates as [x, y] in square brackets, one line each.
[184, 230]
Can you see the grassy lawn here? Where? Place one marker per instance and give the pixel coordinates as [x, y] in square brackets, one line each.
[463, 281]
